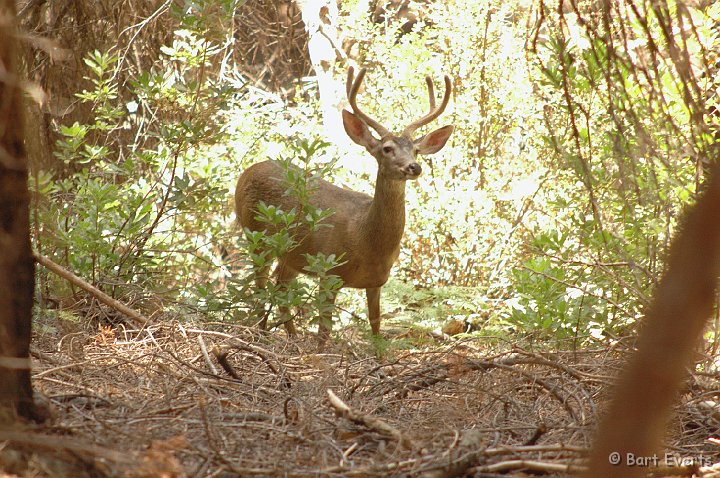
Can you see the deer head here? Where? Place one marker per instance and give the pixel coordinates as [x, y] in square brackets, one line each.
[396, 154]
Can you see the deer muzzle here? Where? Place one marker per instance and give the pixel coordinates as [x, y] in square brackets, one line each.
[413, 170]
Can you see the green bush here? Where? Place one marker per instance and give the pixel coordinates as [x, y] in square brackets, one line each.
[285, 231]
[553, 202]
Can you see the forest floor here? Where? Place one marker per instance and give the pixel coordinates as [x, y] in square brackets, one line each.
[177, 399]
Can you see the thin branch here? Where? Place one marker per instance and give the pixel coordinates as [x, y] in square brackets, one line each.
[369, 421]
[134, 315]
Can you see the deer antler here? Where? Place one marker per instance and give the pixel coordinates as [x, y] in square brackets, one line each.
[352, 88]
[434, 112]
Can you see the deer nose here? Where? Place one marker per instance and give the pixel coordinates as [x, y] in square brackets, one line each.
[414, 169]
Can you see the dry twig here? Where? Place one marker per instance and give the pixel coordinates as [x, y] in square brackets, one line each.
[136, 316]
[373, 423]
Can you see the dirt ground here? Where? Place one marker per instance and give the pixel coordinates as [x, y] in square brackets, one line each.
[181, 399]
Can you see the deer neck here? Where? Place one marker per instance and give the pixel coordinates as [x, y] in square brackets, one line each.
[385, 221]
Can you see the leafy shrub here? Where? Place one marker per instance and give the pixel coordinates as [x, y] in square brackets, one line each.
[130, 214]
[313, 298]
[553, 201]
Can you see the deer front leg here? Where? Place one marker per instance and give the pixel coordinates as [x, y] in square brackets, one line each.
[373, 300]
[283, 275]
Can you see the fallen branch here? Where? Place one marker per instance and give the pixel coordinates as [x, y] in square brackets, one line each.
[221, 351]
[203, 349]
[460, 459]
[533, 465]
[134, 315]
[515, 450]
[374, 423]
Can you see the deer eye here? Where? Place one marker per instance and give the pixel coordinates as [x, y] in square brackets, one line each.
[387, 149]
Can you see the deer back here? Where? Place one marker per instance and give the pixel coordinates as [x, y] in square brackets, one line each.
[343, 233]
[366, 231]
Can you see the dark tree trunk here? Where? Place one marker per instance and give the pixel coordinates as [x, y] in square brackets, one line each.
[17, 268]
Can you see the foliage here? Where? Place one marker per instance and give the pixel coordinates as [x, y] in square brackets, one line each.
[580, 136]
[285, 231]
[634, 138]
[134, 213]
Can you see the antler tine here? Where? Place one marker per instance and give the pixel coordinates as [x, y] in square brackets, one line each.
[431, 91]
[434, 112]
[349, 81]
[352, 88]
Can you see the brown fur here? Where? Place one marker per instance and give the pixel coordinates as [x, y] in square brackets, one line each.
[368, 236]
[684, 300]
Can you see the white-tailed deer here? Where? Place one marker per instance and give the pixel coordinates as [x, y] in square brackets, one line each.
[366, 230]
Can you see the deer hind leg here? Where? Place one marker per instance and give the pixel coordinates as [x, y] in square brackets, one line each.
[373, 300]
[283, 275]
[261, 278]
[325, 322]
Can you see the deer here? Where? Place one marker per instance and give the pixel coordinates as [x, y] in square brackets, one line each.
[366, 230]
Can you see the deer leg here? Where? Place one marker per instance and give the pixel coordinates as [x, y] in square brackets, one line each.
[325, 323]
[283, 275]
[261, 278]
[373, 300]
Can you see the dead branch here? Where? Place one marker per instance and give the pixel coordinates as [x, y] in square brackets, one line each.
[221, 352]
[136, 316]
[374, 423]
[530, 465]
[284, 380]
[516, 450]
[460, 459]
[206, 356]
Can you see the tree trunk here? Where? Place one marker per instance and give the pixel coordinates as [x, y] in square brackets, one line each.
[320, 18]
[17, 267]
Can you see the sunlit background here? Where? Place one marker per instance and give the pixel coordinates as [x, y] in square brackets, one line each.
[547, 214]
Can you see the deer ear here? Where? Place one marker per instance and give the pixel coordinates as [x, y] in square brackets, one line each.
[358, 130]
[434, 142]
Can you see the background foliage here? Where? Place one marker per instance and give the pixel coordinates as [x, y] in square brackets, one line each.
[580, 135]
